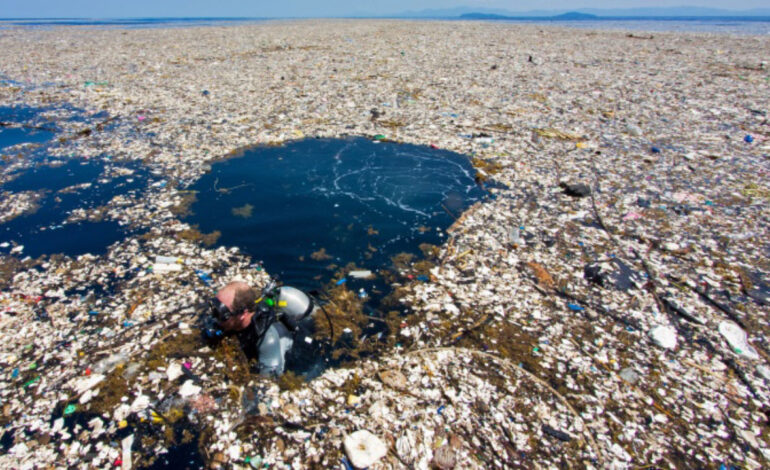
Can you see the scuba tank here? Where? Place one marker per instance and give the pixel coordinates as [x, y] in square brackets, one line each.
[279, 314]
[292, 306]
[276, 342]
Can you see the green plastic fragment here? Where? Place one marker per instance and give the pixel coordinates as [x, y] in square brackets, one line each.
[31, 382]
[379, 137]
[33, 366]
[69, 409]
[535, 349]
[269, 302]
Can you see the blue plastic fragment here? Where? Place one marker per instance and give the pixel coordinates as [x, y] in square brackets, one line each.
[440, 409]
[341, 281]
[423, 278]
[93, 313]
[748, 139]
[347, 464]
[629, 329]
[127, 324]
[575, 307]
[655, 150]
[15, 373]
[203, 275]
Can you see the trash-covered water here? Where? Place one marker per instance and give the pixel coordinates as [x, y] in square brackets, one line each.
[311, 206]
[62, 187]
[45, 190]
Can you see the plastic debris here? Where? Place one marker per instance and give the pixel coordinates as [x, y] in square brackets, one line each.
[361, 274]
[663, 336]
[737, 339]
[364, 448]
[560, 435]
[576, 189]
[188, 389]
[204, 276]
[126, 444]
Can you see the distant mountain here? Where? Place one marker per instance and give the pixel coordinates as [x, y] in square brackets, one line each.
[452, 12]
[574, 15]
[673, 11]
[569, 16]
[492, 14]
[483, 16]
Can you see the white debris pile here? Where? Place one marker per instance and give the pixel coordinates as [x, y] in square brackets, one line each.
[15, 204]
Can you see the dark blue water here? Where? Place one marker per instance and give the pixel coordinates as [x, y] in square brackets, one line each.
[712, 24]
[14, 136]
[128, 23]
[349, 200]
[34, 132]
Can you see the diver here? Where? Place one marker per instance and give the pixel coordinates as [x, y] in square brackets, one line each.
[266, 324]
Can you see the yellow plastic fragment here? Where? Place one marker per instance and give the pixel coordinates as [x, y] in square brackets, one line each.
[556, 134]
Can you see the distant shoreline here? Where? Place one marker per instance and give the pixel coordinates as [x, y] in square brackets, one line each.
[466, 17]
[740, 25]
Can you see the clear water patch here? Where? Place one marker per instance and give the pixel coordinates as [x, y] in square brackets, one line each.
[311, 206]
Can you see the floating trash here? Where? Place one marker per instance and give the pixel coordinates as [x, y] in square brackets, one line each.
[67, 209]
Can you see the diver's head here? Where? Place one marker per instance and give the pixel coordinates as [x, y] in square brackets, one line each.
[233, 307]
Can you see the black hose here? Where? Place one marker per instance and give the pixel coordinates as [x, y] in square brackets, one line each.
[331, 326]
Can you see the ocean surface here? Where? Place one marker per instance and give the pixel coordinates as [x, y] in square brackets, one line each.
[724, 25]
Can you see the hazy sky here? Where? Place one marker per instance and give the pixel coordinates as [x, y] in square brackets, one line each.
[303, 8]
